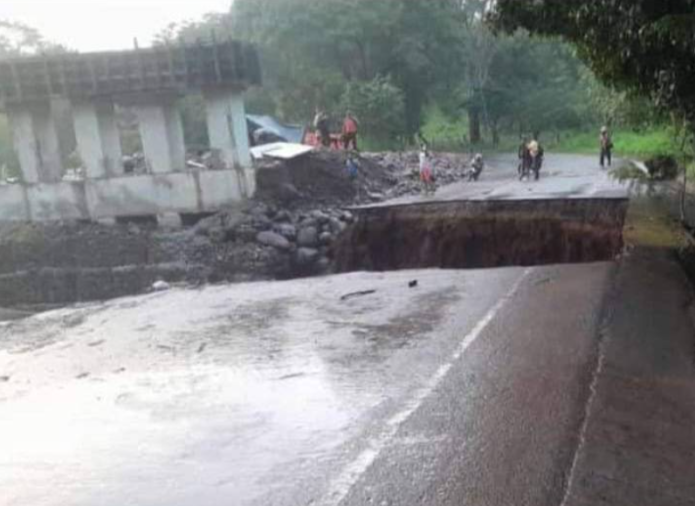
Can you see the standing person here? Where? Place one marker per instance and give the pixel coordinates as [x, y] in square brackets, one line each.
[426, 175]
[350, 128]
[524, 157]
[606, 144]
[352, 166]
[477, 167]
[536, 154]
[322, 128]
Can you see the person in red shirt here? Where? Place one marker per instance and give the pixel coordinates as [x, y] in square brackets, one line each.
[350, 127]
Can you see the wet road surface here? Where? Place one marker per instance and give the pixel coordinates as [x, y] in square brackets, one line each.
[562, 177]
[467, 389]
[470, 388]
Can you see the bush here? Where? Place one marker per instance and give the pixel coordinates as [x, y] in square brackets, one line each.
[379, 106]
[662, 168]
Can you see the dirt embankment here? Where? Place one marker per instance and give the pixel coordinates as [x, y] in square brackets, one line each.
[463, 235]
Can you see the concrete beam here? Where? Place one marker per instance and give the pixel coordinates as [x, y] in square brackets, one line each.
[98, 138]
[228, 133]
[161, 130]
[36, 142]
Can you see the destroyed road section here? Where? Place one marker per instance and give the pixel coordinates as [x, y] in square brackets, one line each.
[289, 230]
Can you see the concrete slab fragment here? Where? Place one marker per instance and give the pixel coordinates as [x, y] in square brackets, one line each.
[58, 201]
[13, 203]
[281, 150]
[143, 195]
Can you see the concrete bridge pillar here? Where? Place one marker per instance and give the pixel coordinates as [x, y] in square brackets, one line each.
[36, 142]
[161, 130]
[228, 132]
[98, 138]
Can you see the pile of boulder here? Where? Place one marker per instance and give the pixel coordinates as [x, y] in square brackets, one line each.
[285, 243]
[448, 168]
[291, 227]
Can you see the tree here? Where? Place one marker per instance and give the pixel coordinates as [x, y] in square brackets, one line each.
[644, 45]
[379, 105]
[17, 39]
[415, 43]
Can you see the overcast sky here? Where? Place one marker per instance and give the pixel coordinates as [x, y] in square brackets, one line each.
[91, 25]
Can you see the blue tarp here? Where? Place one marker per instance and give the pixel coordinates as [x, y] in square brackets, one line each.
[286, 133]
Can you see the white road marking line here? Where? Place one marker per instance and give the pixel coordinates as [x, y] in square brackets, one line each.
[342, 485]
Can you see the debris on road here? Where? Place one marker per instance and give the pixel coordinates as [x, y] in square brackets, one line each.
[354, 295]
[160, 286]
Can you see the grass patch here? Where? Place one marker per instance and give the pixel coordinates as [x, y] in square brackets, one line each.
[629, 144]
[628, 171]
[648, 224]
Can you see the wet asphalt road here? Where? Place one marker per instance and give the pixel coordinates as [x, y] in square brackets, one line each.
[469, 389]
[562, 177]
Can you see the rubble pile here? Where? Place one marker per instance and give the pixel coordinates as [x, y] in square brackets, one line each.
[263, 241]
[448, 168]
[290, 229]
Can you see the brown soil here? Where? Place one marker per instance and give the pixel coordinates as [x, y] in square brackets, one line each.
[462, 235]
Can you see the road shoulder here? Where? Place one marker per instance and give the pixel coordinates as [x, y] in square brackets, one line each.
[638, 441]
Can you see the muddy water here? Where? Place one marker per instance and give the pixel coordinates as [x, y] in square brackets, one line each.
[484, 234]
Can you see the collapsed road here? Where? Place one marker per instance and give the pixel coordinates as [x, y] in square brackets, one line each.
[572, 215]
[393, 388]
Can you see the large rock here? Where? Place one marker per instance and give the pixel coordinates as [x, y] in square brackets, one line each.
[274, 240]
[337, 226]
[308, 237]
[262, 222]
[309, 222]
[319, 216]
[287, 230]
[326, 238]
[307, 256]
[283, 216]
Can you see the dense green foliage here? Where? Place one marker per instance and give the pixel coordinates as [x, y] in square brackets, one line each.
[643, 45]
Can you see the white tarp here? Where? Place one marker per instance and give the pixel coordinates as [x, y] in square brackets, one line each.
[281, 150]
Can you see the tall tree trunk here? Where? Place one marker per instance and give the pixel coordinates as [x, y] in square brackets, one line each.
[474, 126]
[494, 127]
[684, 198]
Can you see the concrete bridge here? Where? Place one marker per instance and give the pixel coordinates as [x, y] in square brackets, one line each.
[149, 81]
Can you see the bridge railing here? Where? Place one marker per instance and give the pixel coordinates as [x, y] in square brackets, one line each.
[178, 68]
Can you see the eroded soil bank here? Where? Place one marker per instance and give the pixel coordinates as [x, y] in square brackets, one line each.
[483, 234]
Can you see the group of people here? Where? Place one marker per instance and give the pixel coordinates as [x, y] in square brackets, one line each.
[427, 175]
[531, 154]
[348, 136]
